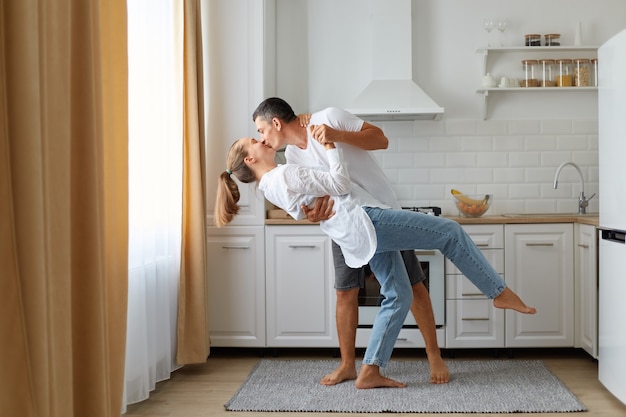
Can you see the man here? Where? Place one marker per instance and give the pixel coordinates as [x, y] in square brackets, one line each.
[278, 126]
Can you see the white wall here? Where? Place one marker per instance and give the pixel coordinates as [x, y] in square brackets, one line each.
[514, 153]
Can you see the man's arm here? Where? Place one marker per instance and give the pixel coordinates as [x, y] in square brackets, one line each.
[369, 138]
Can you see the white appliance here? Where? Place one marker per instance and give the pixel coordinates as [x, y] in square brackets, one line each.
[612, 191]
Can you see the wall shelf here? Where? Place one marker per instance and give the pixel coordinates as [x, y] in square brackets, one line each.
[535, 51]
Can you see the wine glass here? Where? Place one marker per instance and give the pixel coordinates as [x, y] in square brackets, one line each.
[489, 24]
[501, 25]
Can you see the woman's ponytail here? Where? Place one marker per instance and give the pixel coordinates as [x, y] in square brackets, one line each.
[226, 207]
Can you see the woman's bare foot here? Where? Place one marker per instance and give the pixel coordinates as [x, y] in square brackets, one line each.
[439, 373]
[339, 375]
[370, 377]
[509, 300]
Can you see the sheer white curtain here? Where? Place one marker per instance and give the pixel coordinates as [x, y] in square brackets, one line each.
[155, 45]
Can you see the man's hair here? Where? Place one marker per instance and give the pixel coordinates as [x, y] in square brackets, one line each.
[274, 107]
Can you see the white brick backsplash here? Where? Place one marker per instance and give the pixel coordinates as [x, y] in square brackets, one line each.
[492, 127]
[427, 128]
[430, 160]
[555, 158]
[524, 191]
[540, 143]
[508, 143]
[525, 159]
[398, 160]
[492, 159]
[514, 160]
[558, 127]
[461, 159]
[396, 129]
[478, 143]
[573, 142]
[447, 144]
[509, 175]
[524, 127]
[589, 127]
[413, 176]
[461, 127]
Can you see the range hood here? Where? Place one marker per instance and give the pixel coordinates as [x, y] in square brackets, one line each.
[392, 94]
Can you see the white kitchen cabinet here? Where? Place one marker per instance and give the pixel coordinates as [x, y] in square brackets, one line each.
[539, 267]
[586, 257]
[471, 319]
[300, 287]
[236, 286]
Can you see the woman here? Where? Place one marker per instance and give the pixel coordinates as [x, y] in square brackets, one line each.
[367, 232]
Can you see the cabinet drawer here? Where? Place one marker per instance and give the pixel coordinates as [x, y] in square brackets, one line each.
[458, 287]
[474, 323]
[495, 257]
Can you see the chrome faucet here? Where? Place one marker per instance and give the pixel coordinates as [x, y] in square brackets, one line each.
[583, 202]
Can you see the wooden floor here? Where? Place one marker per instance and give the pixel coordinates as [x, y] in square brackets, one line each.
[202, 390]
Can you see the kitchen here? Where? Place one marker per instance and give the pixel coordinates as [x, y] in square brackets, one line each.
[508, 144]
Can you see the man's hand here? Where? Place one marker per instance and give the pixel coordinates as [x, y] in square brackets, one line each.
[323, 210]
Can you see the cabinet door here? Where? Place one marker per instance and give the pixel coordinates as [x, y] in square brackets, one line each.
[586, 253]
[236, 286]
[539, 266]
[471, 319]
[300, 287]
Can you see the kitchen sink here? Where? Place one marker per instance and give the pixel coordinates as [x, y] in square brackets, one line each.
[516, 215]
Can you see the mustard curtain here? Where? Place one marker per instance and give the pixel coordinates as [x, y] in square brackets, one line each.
[192, 327]
[63, 207]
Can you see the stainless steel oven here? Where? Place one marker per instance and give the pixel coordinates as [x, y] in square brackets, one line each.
[432, 262]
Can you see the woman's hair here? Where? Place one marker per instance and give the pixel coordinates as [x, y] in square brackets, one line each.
[274, 107]
[227, 190]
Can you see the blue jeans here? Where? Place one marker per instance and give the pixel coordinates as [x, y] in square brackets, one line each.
[403, 230]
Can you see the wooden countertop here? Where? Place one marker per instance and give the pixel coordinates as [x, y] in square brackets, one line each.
[279, 217]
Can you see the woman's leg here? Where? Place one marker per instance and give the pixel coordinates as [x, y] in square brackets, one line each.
[402, 229]
[396, 289]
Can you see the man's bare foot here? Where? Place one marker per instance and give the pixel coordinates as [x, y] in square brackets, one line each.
[339, 375]
[370, 377]
[439, 373]
[509, 300]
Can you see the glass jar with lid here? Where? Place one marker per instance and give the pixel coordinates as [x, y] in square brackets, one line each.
[547, 72]
[529, 66]
[594, 72]
[582, 72]
[532, 39]
[564, 73]
[552, 39]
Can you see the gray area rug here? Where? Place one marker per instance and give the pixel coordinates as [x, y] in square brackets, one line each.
[491, 386]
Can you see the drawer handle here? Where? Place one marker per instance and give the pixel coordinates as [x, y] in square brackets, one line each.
[303, 246]
[402, 339]
[475, 319]
[235, 247]
[540, 244]
[424, 252]
[582, 245]
[482, 245]
[470, 294]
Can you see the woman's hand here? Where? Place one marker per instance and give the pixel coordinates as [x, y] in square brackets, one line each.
[323, 134]
[304, 119]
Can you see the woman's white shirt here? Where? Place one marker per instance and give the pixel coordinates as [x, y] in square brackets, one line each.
[290, 186]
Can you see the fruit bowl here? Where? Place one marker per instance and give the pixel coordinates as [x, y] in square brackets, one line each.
[472, 205]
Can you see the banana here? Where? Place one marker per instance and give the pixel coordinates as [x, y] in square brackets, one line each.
[469, 201]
